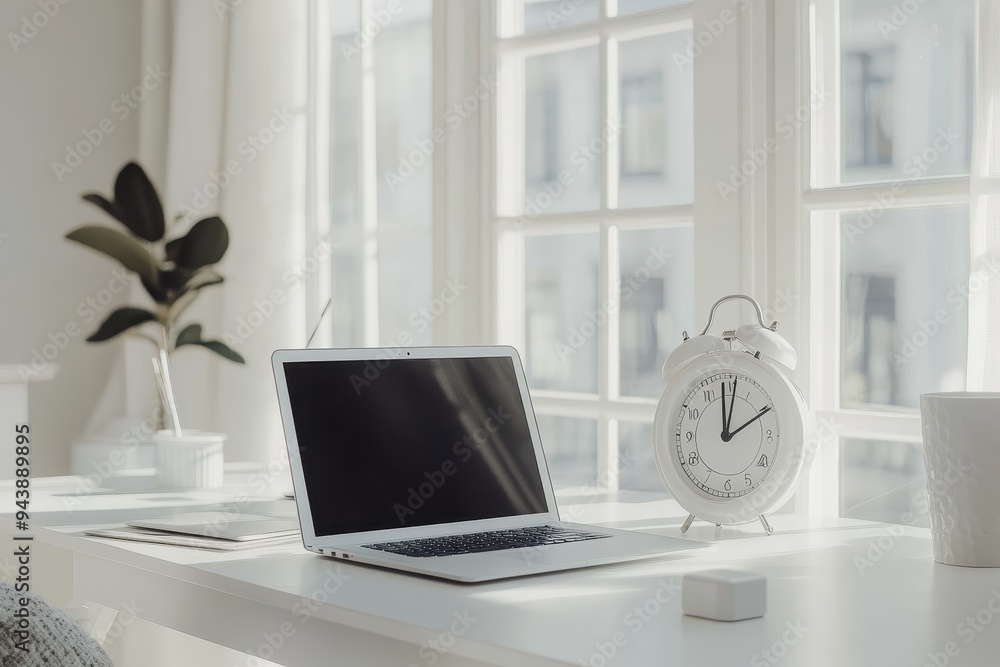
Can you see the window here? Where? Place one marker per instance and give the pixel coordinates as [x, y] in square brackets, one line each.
[890, 230]
[834, 162]
[375, 83]
[592, 222]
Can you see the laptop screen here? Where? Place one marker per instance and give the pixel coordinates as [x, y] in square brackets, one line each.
[412, 442]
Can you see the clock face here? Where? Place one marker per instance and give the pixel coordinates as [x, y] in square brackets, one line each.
[727, 434]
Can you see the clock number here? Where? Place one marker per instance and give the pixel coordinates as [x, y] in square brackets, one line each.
[729, 486]
[747, 479]
[693, 459]
[709, 395]
[763, 461]
[688, 436]
[770, 438]
[693, 413]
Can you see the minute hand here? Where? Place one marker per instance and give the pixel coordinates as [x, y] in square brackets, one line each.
[752, 420]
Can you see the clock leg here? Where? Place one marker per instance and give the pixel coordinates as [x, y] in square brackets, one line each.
[687, 523]
[767, 526]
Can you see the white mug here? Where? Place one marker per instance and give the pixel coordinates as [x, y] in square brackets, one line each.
[962, 464]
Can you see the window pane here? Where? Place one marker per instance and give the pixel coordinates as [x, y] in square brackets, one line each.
[905, 285]
[657, 105]
[906, 88]
[403, 126]
[657, 303]
[562, 315]
[636, 465]
[403, 107]
[636, 6]
[570, 447]
[345, 125]
[346, 315]
[404, 290]
[883, 481]
[563, 145]
[518, 17]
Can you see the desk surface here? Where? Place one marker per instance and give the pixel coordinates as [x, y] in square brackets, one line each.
[841, 592]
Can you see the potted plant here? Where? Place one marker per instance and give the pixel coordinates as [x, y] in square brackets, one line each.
[174, 272]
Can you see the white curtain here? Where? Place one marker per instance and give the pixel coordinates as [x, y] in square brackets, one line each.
[984, 283]
[231, 141]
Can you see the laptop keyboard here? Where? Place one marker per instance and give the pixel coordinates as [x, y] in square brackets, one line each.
[494, 540]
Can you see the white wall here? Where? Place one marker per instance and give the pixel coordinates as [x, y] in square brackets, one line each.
[61, 82]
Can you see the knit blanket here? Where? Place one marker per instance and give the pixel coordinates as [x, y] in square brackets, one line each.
[46, 637]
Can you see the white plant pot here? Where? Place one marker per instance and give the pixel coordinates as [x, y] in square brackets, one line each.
[193, 461]
[962, 464]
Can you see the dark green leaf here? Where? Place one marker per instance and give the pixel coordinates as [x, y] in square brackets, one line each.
[190, 335]
[157, 293]
[175, 279]
[119, 321]
[204, 278]
[108, 207]
[204, 244]
[121, 247]
[219, 348]
[138, 202]
[173, 247]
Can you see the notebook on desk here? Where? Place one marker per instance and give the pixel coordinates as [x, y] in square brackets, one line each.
[428, 460]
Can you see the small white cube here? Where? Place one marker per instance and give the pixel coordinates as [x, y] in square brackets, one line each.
[724, 595]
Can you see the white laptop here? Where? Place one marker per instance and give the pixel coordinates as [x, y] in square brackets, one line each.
[428, 460]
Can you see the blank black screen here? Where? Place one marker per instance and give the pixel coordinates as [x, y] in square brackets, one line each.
[412, 442]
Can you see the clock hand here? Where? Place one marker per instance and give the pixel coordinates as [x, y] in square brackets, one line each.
[732, 402]
[724, 424]
[752, 420]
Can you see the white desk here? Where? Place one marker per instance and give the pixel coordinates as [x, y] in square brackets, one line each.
[822, 610]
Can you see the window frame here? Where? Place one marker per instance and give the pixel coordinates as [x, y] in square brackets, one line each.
[807, 220]
[506, 238]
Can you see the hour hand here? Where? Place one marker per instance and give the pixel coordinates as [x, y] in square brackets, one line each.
[725, 424]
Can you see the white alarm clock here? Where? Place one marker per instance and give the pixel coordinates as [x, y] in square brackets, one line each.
[731, 427]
